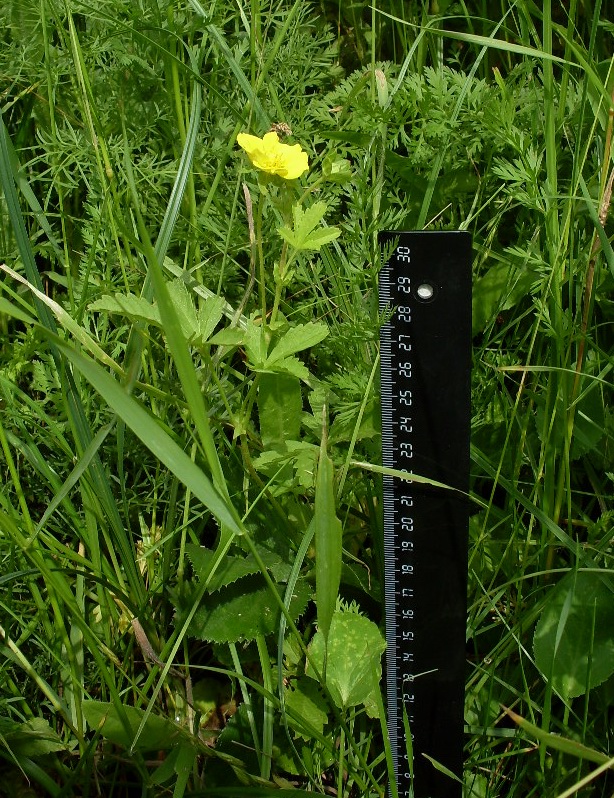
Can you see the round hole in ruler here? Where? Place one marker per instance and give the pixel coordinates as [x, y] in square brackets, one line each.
[426, 292]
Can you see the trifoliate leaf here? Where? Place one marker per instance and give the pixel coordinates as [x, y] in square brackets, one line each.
[305, 236]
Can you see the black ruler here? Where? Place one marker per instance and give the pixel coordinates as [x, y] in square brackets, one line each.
[425, 395]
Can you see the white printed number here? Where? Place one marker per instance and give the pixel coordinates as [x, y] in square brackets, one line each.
[407, 450]
[404, 253]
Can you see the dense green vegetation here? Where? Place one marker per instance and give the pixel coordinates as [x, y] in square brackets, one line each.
[189, 420]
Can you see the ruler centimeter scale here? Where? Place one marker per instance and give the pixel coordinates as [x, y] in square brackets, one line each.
[425, 354]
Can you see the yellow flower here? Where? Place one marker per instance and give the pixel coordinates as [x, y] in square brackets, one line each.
[270, 155]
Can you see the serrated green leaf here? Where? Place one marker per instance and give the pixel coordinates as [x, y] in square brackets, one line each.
[353, 664]
[158, 733]
[303, 457]
[323, 235]
[32, 738]
[209, 314]
[243, 610]
[574, 638]
[280, 405]
[292, 365]
[133, 307]
[255, 345]
[297, 339]
[305, 236]
[197, 326]
[305, 219]
[183, 304]
[230, 569]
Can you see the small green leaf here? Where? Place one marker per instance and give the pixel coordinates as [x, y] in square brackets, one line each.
[297, 339]
[500, 288]
[209, 314]
[231, 336]
[305, 236]
[183, 304]
[301, 455]
[197, 326]
[292, 365]
[255, 345]
[336, 170]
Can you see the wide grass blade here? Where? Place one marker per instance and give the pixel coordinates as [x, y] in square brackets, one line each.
[328, 539]
[153, 436]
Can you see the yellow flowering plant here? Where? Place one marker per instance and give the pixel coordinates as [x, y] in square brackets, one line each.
[278, 165]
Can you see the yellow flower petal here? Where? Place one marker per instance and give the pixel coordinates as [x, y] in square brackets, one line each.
[269, 155]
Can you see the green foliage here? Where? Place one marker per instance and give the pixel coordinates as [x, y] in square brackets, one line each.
[188, 386]
[126, 729]
[574, 639]
[196, 325]
[279, 410]
[32, 738]
[304, 236]
[328, 534]
[354, 647]
[243, 610]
